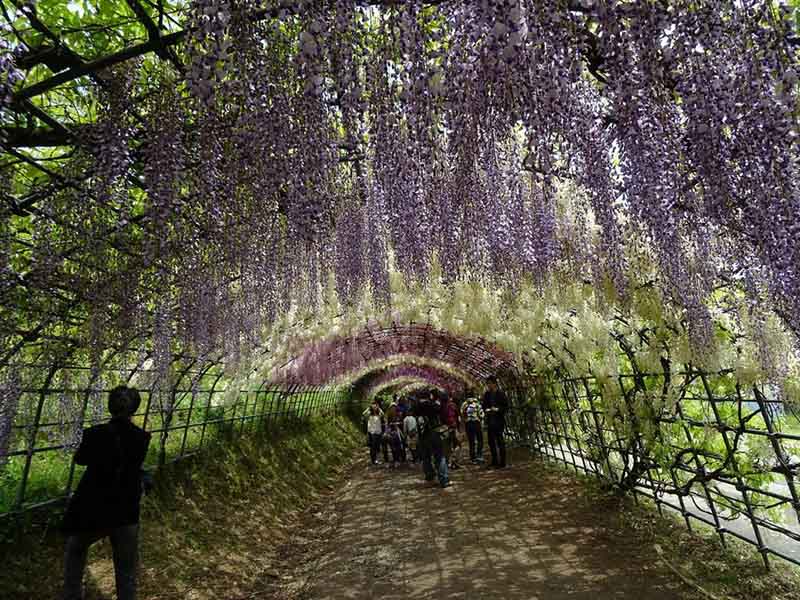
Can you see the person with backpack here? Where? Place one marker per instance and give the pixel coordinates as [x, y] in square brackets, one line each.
[472, 414]
[495, 406]
[411, 432]
[107, 500]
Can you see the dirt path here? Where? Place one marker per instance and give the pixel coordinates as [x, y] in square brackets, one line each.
[525, 532]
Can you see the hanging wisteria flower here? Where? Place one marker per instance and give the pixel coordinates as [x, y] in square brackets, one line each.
[10, 395]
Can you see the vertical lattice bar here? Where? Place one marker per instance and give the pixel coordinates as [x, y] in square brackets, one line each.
[71, 477]
[263, 395]
[709, 498]
[244, 411]
[780, 453]
[603, 449]
[209, 404]
[188, 422]
[192, 400]
[572, 460]
[576, 427]
[740, 485]
[31, 441]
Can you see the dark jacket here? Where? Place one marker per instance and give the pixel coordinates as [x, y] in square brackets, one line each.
[497, 399]
[427, 418]
[110, 490]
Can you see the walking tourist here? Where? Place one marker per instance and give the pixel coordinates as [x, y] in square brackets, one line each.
[395, 441]
[107, 500]
[495, 406]
[441, 450]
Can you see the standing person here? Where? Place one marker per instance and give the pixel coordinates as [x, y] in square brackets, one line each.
[391, 411]
[367, 412]
[402, 408]
[453, 422]
[107, 500]
[411, 433]
[434, 434]
[427, 412]
[375, 433]
[495, 406]
[441, 450]
[473, 417]
[395, 439]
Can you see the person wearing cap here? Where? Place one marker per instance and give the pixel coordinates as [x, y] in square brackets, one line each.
[107, 500]
[495, 406]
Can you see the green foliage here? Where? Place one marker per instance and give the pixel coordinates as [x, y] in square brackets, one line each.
[210, 517]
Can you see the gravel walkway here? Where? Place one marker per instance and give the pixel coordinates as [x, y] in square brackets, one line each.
[520, 533]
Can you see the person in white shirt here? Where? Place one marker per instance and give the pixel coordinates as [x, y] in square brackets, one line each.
[375, 433]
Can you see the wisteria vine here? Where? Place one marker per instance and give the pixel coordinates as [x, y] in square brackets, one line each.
[510, 143]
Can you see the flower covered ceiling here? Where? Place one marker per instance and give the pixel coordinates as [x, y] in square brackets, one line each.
[181, 176]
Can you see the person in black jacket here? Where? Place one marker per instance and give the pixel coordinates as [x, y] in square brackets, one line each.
[106, 502]
[431, 444]
[495, 406]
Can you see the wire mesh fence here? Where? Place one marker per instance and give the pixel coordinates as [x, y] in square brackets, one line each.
[702, 444]
[36, 467]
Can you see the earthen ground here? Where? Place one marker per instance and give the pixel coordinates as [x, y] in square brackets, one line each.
[528, 532]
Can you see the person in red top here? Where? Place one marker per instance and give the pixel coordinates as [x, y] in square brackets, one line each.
[452, 418]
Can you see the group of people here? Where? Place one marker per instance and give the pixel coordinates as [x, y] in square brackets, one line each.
[429, 429]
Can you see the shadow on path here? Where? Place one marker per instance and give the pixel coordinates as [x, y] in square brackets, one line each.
[525, 532]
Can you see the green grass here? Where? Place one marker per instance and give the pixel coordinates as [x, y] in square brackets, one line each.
[735, 572]
[208, 521]
[49, 472]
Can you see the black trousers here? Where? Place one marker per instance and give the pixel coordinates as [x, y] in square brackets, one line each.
[374, 445]
[124, 545]
[475, 437]
[385, 449]
[497, 445]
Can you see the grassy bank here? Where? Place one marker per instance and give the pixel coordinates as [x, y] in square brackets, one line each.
[710, 571]
[212, 518]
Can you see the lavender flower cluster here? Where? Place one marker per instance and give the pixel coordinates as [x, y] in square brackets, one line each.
[337, 139]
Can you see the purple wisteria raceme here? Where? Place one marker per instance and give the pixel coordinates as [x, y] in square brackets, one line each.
[439, 378]
[10, 75]
[350, 251]
[209, 44]
[70, 415]
[410, 131]
[10, 394]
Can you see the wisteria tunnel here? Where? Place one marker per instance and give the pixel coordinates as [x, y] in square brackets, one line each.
[266, 212]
